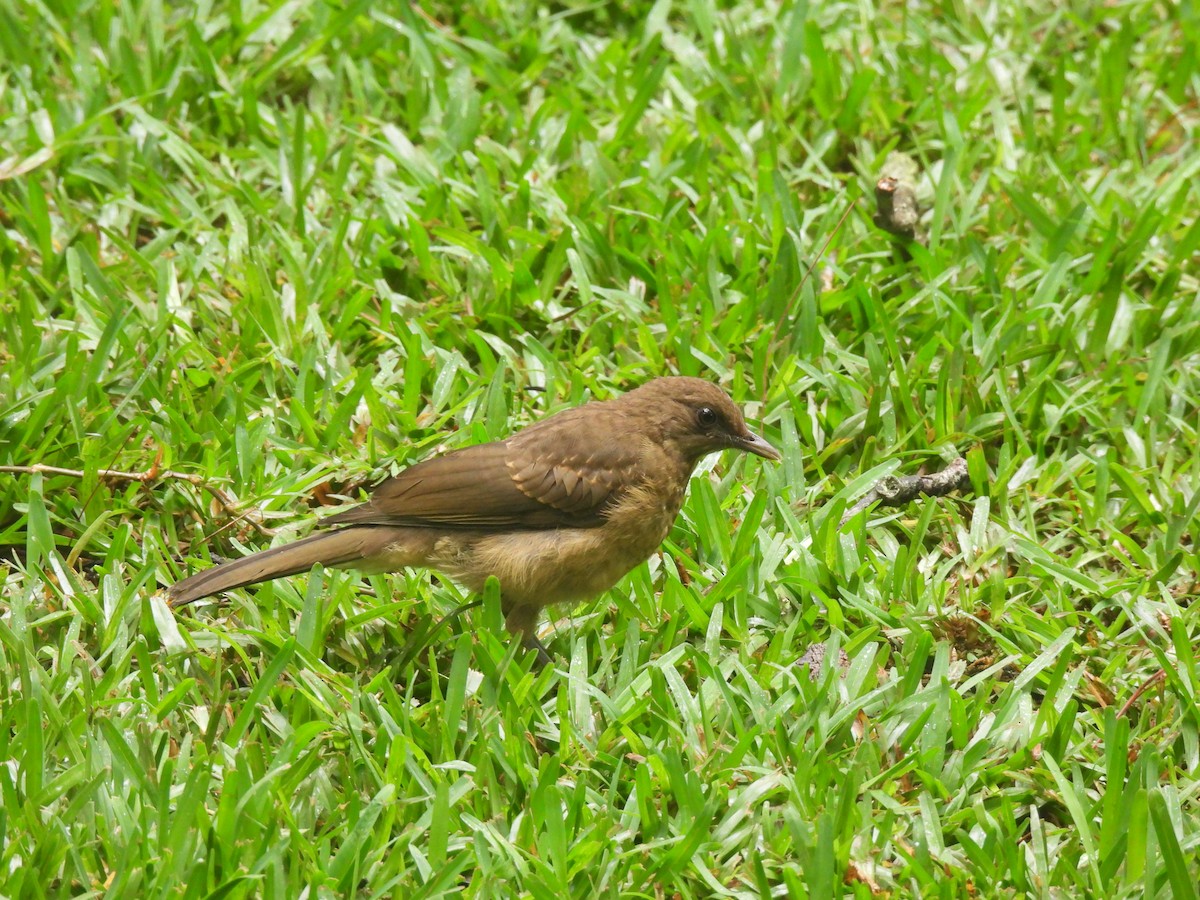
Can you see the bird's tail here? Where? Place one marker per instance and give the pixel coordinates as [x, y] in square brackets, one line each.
[344, 546]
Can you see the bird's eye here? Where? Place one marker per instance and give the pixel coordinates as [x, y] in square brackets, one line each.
[706, 416]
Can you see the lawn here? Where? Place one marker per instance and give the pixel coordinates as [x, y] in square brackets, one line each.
[254, 257]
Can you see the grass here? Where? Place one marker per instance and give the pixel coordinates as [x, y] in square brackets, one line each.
[284, 248]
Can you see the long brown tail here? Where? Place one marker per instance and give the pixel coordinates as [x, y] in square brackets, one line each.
[344, 546]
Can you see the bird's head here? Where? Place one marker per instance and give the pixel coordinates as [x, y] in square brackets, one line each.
[697, 417]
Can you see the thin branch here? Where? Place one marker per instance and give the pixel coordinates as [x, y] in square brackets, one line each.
[777, 341]
[807, 272]
[1137, 695]
[896, 490]
[152, 474]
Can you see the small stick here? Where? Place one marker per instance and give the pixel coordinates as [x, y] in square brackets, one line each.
[896, 490]
[1137, 695]
[807, 272]
[152, 474]
[898, 213]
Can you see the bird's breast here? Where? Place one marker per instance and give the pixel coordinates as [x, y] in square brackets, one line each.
[540, 568]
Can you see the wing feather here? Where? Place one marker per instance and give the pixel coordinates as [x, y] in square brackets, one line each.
[564, 471]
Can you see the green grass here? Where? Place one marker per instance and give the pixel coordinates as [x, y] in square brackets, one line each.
[287, 247]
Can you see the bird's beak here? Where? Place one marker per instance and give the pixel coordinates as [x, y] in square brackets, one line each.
[752, 443]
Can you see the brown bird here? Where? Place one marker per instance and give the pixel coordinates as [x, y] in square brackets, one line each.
[558, 512]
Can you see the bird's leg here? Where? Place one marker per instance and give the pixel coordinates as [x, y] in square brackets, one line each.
[531, 642]
[521, 621]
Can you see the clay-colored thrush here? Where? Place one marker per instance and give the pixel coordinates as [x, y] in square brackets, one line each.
[557, 512]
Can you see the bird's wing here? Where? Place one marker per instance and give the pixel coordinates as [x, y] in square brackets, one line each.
[562, 472]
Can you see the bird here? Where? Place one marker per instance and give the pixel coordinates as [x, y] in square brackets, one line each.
[558, 512]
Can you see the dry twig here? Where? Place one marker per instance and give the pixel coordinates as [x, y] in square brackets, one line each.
[152, 474]
[896, 197]
[1137, 695]
[896, 490]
